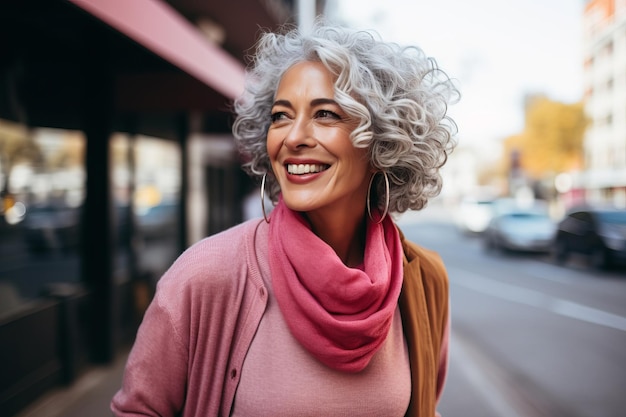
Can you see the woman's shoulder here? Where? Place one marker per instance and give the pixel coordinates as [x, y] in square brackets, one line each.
[426, 257]
[232, 239]
[427, 261]
[214, 262]
[424, 271]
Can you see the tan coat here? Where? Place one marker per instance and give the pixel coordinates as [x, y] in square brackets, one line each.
[424, 307]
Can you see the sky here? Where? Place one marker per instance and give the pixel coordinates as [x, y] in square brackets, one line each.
[498, 50]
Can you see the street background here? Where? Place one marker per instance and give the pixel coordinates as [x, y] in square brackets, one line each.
[529, 338]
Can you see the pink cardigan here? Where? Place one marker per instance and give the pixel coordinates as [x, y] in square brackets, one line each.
[194, 336]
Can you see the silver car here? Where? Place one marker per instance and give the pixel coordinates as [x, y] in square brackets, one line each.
[520, 230]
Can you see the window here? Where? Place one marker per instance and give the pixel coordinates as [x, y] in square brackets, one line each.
[42, 186]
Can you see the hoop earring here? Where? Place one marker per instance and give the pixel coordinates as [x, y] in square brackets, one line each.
[369, 189]
[263, 198]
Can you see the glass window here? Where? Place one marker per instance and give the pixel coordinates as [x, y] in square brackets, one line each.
[121, 175]
[42, 189]
[157, 204]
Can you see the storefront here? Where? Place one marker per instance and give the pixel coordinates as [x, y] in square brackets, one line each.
[100, 104]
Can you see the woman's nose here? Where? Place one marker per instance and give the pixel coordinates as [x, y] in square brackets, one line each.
[299, 135]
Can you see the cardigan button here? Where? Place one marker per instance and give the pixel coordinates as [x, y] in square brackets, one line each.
[262, 292]
[233, 373]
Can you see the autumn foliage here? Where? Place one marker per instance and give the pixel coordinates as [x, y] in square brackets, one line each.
[552, 140]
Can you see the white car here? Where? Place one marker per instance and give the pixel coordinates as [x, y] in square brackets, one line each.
[473, 215]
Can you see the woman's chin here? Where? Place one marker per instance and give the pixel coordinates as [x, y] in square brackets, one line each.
[301, 203]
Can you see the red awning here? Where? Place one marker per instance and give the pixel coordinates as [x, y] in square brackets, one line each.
[161, 29]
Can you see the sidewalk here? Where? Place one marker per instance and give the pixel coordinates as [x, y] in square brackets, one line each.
[88, 396]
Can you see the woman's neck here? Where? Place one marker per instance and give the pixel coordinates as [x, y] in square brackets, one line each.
[344, 233]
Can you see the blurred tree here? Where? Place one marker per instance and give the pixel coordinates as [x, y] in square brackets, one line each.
[552, 140]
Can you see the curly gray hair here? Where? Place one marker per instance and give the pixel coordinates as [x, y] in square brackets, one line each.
[399, 95]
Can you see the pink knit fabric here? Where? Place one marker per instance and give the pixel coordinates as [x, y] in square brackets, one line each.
[341, 315]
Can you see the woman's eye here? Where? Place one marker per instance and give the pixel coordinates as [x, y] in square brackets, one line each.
[276, 116]
[326, 114]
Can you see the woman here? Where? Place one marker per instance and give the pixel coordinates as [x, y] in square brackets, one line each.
[322, 307]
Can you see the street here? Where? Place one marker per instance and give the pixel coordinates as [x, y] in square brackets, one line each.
[529, 338]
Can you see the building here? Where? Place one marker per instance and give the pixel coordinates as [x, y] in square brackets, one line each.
[115, 155]
[604, 50]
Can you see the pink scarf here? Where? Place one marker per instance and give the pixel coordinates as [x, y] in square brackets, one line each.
[341, 315]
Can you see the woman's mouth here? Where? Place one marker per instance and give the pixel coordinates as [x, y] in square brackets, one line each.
[299, 169]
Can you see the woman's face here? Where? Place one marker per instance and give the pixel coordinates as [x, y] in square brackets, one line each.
[309, 144]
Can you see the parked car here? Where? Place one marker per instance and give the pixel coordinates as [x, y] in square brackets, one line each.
[474, 215]
[522, 230]
[598, 233]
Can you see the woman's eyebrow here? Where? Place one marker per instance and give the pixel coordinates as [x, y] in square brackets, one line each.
[320, 101]
[284, 103]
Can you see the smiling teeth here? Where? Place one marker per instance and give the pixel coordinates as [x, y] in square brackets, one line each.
[305, 168]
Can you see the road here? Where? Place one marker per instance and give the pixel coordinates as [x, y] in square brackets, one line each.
[529, 338]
